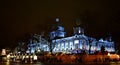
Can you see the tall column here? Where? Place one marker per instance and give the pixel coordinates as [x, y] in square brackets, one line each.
[73, 45]
[64, 45]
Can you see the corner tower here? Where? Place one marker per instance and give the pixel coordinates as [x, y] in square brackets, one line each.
[78, 29]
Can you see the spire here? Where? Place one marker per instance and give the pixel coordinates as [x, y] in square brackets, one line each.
[78, 29]
[109, 37]
[78, 21]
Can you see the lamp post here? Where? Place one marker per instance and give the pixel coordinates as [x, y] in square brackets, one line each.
[4, 58]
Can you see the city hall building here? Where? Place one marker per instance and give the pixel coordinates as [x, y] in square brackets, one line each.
[78, 42]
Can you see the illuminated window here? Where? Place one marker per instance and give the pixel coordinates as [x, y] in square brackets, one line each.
[76, 41]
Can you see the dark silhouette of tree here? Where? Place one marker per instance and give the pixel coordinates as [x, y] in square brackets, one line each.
[102, 49]
[51, 46]
[21, 47]
[90, 44]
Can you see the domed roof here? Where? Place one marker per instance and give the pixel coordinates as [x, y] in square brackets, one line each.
[57, 25]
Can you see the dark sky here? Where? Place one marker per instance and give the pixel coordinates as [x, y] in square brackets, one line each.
[20, 18]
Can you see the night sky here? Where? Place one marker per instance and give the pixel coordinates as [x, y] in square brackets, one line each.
[20, 18]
